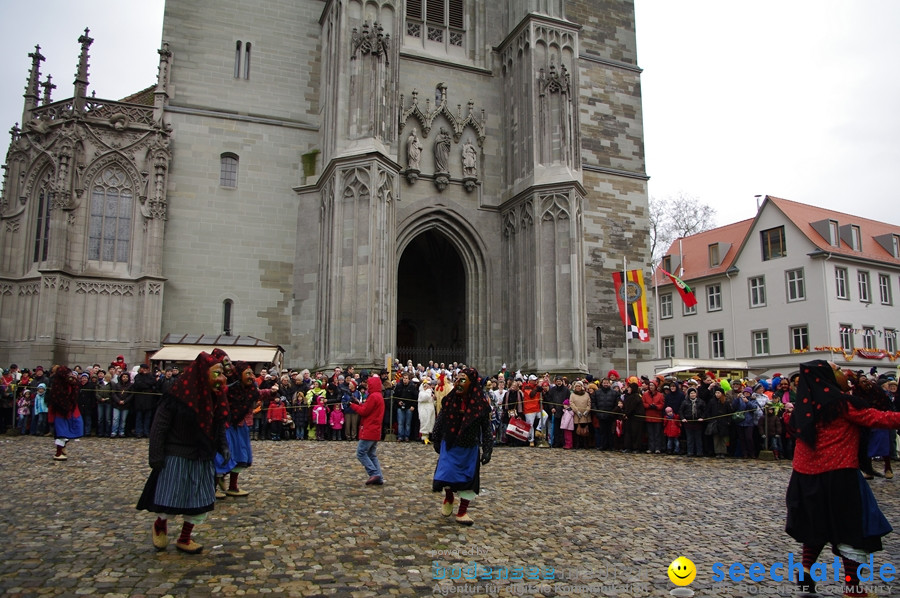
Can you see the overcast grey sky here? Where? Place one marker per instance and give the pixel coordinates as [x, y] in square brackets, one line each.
[794, 98]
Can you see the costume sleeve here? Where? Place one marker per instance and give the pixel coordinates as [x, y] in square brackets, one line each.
[487, 439]
[873, 418]
[162, 422]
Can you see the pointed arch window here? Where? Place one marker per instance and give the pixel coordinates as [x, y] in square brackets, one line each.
[109, 233]
[42, 222]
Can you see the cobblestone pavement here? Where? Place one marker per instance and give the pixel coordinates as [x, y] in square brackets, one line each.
[310, 526]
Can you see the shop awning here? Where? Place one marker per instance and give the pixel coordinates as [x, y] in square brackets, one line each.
[182, 347]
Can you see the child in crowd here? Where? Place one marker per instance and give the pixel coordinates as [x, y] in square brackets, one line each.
[39, 411]
[771, 428]
[23, 411]
[275, 418]
[320, 419]
[337, 422]
[672, 430]
[788, 444]
[567, 424]
[301, 415]
[258, 419]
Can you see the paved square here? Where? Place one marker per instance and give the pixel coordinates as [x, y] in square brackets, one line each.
[310, 527]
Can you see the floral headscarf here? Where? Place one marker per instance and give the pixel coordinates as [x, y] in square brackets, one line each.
[460, 412]
[62, 396]
[192, 389]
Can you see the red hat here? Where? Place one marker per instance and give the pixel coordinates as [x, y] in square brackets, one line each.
[613, 374]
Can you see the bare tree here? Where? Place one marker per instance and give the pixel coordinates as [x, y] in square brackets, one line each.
[676, 216]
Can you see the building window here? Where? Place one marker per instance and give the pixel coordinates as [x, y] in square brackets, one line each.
[834, 233]
[691, 346]
[895, 245]
[667, 263]
[668, 343]
[799, 339]
[109, 231]
[714, 297]
[442, 20]
[868, 337]
[840, 283]
[688, 310]
[237, 59]
[884, 289]
[714, 255]
[846, 337]
[42, 222]
[665, 306]
[757, 291]
[890, 340]
[862, 278]
[760, 342]
[247, 61]
[796, 289]
[773, 243]
[855, 238]
[717, 344]
[226, 316]
[229, 171]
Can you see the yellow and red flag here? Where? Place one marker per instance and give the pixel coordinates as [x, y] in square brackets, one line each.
[631, 295]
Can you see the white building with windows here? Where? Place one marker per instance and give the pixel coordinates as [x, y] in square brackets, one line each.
[794, 283]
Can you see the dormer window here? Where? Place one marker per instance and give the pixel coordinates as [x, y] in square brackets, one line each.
[834, 237]
[714, 255]
[855, 238]
[667, 263]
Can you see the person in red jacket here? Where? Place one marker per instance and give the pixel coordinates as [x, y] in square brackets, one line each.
[371, 414]
[654, 403]
[275, 417]
[827, 499]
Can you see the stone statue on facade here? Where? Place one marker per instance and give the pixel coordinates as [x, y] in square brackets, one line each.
[442, 152]
[470, 165]
[413, 156]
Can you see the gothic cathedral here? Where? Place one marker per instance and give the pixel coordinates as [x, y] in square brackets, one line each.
[452, 180]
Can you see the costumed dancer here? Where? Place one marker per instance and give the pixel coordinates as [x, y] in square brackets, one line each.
[371, 414]
[243, 393]
[827, 499]
[426, 410]
[62, 409]
[187, 432]
[463, 424]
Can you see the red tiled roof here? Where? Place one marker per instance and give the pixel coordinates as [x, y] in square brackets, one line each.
[802, 215]
[144, 97]
[694, 251]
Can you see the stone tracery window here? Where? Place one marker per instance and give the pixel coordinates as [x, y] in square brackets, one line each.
[42, 222]
[442, 21]
[109, 234]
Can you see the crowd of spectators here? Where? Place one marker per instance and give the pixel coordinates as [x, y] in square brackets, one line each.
[696, 417]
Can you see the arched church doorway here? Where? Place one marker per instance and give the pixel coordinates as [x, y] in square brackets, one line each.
[431, 301]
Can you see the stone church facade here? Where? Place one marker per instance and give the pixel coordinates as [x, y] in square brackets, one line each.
[447, 179]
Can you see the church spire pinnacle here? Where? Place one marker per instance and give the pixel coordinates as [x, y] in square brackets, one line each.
[81, 77]
[32, 89]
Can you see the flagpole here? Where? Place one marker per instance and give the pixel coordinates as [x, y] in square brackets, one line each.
[627, 323]
[680, 260]
[656, 319]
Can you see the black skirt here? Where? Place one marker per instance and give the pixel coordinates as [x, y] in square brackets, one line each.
[831, 508]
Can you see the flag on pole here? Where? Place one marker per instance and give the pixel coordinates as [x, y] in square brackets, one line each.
[631, 295]
[687, 295]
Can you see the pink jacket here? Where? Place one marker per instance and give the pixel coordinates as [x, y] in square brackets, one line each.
[337, 419]
[320, 414]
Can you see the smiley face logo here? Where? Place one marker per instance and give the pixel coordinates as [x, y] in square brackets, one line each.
[682, 571]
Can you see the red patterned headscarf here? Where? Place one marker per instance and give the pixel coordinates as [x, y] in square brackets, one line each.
[62, 396]
[192, 389]
[240, 398]
[461, 411]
